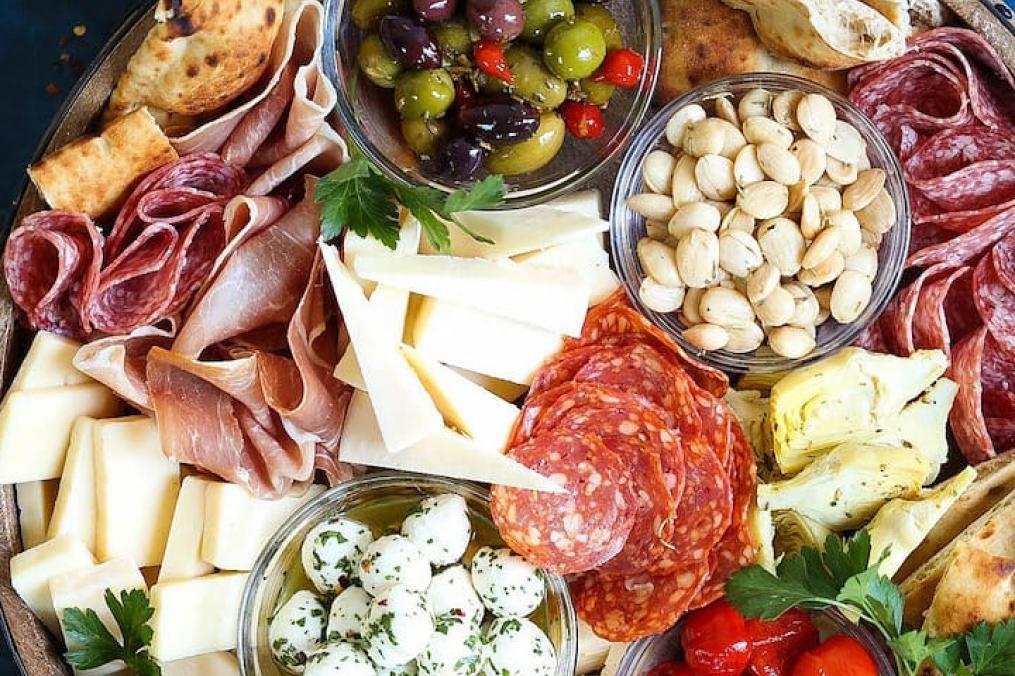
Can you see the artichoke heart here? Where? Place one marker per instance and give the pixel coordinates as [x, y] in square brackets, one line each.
[751, 409]
[901, 525]
[923, 425]
[794, 531]
[844, 488]
[762, 529]
[849, 397]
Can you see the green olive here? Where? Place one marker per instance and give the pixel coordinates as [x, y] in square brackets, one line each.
[598, 93]
[542, 15]
[533, 82]
[533, 153]
[452, 37]
[574, 49]
[376, 63]
[366, 14]
[603, 18]
[424, 93]
[424, 136]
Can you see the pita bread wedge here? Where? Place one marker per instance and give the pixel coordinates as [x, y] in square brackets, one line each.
[94, 173]
[830, 34]
[979, 582]
[200, 55]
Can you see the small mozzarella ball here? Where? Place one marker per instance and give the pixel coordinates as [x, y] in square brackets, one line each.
[297, 629]
[393, 559]
[331, 552]
[440, 527]
[407, 669]
[456, 648]
[451, 593]
[398, 626]
[509, 585]
[339, 659]
[517, 647]
[348, 613]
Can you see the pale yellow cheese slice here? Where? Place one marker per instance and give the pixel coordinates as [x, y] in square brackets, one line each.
[505, 390]
[209, 664]
[182, 559]
[49, 363]
[32, 569]
[196, 616]
[74, 513]
[584, 258]
[35, 509]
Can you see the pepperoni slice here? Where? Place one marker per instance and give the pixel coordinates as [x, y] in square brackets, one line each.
[576, 531]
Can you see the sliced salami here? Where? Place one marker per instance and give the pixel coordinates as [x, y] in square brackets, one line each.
[576, 531]
[966, 417]
[967, 246]
[995, 302]
[1004, 261]
[950, 150]
[997, 375]
[930, 322]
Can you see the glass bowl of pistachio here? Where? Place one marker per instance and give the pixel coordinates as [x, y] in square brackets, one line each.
[761, 220]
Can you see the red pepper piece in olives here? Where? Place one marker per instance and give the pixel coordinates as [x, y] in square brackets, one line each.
[410, 43]
[498, 20]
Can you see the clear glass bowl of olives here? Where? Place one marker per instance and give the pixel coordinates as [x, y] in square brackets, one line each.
[444, 92]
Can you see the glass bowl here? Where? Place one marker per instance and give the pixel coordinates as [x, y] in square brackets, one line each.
[367, 113]
[278, 570]
[627, 227]
[646, 653]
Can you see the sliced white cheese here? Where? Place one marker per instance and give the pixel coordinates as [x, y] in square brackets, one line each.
[182, 559]
[482, 342]
[585, 258]
[85, 589]
[196, 616]
[586, 202]
[35, 427]
[552, 299]
[49, 363]
[480, 415]
[404, 409]
[74, 513]
[592, 650]
[446, 453]
[502, 388]
[35, 510]
[209, 664]
[136, 487]
[516, 231]
[237, 525]
[32, 569]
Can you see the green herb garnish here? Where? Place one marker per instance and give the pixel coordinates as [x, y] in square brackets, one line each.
[97, 646]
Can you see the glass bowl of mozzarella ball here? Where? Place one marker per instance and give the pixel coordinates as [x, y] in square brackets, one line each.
[762, 221]
[395, 575]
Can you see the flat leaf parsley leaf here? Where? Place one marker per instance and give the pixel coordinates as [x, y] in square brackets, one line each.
[95, 645]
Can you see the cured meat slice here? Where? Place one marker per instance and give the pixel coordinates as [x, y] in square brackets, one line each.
[995, 302]
[966, 417]
[967, 246]
[628, 608]
[51, 263]
[950, 150]
[1004, 261]
[561, 368]
[121, 362]
[573, 532]
[930, 329]
[997, 374]
[977, 186]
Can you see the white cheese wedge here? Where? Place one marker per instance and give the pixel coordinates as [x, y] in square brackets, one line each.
[74, 513]
[49, 363]
[35, 427]
[480, 415]
[404, 409]
[446, 453]
[587, 202]
[182, 559]
[353, 246]
[482, 342]
[505, 390]
[552, 299]
[32, 569]
[35, 510]
[584, 258]
[196, 616]
[85, 589]
[136, 487]
[516, 231]
[209, 664]
[237, 525]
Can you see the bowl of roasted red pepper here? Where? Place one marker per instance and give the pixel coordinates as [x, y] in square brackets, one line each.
[717, 641]
[445, 92]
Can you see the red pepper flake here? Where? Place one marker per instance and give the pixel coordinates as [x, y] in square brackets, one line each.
[583, 120]
[622, 67]
[490, 59]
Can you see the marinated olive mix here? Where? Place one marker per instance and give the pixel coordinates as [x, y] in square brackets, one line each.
[494, 85]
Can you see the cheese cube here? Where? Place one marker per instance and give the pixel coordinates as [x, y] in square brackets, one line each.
[502, 388]
[49, 363]
[209, 664]
[196, 616]
[85, 589]
[446, 453]
[74, 513]
[553, 299]
[237, 525]
[404, 409]
[35, 427]
[135, 490]
[35, 509]
[482, 416]
[182, 559]
[32, 569]
[585, 258]
[485, 343]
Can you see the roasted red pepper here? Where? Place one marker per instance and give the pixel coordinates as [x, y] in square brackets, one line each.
[777, 643]
[838, 656]
[583, 120]
[622, 67]
[490, 59]
[716, 640]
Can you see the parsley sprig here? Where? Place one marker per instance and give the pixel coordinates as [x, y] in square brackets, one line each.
[359, 197]
[95, 645]
[842, 577]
